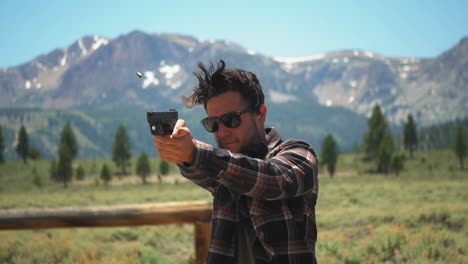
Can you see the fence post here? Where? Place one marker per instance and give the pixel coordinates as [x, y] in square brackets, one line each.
[202, 241]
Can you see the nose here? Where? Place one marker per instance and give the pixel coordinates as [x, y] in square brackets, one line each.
[222, 129]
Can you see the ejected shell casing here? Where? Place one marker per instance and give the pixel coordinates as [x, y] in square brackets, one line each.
[139, 74]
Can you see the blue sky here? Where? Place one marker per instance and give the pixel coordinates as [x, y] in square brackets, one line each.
[274, 28]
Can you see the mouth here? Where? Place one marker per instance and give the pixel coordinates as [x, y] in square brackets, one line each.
[226, 144]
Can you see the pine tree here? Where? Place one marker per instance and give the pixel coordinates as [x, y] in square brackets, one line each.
[121, 150]
[378, 141]
[330, 153]
[23, 145]
[410, 135]
[2, 146]
[377, 129]
[64, 166]
[384, 156]
[80, 173]
[460, 145]
[67, 151]
[143, 168]
[106, 174]
[397, 163]
[67, 137]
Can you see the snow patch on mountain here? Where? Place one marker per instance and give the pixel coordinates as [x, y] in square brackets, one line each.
[40, 66]
[290, 60]
[174, 83]
[409, 60]
[150, 80]
[84, 51]
[98, 42]
[169, 71]
[369, 54]
[203, 40]
[251, 52]
[278, 97]
[63, 61]
[289, 63]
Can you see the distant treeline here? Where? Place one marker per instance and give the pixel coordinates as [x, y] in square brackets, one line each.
[440, 136]
[94, 128]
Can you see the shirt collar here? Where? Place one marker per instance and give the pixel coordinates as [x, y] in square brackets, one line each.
[261, 149]
[273, 138]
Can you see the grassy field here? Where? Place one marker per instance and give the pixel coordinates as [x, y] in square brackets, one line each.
[418, 216]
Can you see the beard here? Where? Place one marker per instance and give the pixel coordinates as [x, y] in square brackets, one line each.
[229, 143]
[235, 145]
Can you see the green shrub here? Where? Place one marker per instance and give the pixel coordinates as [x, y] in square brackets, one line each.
[80, 173]
[34, 153]
[106, 174]
[125, 235]
[163, 167]
[37, 180]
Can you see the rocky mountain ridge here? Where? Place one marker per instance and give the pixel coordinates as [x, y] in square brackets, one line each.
[95, 72]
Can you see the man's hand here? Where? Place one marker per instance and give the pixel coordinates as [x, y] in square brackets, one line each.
[178, 147]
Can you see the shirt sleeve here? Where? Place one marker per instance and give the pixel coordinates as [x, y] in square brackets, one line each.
[292, 171]
[197, 176]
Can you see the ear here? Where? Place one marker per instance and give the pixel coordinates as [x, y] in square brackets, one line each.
[262, 113]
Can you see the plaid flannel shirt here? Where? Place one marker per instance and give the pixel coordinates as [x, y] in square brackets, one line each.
[275, 189]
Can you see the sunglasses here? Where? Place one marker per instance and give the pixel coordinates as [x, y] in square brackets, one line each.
[231, 120]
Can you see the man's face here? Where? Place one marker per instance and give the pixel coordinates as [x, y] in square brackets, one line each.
[251, 129]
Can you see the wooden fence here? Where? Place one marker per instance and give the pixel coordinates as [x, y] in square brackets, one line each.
[192, 212]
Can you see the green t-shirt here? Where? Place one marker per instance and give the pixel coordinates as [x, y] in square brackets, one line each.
[245, 239]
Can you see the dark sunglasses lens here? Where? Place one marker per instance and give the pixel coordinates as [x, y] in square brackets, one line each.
[210, 124]
[231, 120]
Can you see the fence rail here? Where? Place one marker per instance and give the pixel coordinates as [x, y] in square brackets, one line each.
[187, 212]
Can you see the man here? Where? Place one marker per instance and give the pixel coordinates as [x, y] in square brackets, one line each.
[264, 189]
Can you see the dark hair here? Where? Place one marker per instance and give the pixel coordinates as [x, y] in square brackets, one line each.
[213, 82]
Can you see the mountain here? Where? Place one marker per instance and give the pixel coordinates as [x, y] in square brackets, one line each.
[95, 72]
[433, 90]
[92, 83]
